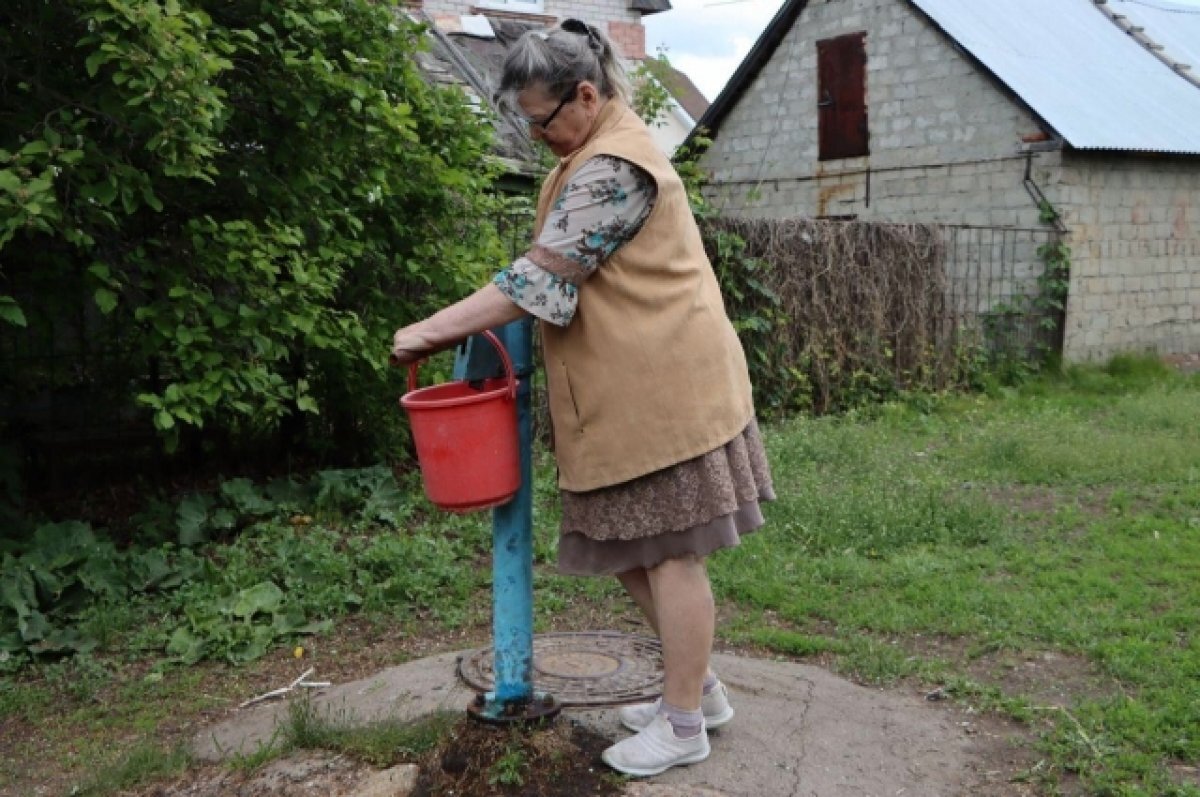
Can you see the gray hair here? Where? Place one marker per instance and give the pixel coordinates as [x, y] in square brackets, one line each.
[559, 59]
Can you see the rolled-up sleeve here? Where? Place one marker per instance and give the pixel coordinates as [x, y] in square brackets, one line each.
[603, 206]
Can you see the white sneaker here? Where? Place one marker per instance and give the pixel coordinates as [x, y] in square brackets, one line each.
[656, 749]
[715, 706]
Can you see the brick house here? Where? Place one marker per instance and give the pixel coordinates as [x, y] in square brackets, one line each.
[620, 19]
[481, 31]
[979, 115]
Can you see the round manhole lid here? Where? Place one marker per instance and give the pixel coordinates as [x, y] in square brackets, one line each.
[590, 668]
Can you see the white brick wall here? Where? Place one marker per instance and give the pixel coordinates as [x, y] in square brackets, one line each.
[946, 147]
[1135, 260]
[939, 130]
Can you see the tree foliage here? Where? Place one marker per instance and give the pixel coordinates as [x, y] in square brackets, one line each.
[652, 97]
[244, 197]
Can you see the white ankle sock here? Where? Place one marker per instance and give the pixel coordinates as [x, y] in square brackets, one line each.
[710, 683]
[686, 724]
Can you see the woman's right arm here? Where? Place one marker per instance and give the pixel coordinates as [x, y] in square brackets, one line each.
[602, 207]
[484, 309]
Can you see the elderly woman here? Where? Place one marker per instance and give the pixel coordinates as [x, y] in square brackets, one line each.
[659, 457]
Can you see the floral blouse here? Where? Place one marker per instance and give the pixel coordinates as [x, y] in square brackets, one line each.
[602, 207]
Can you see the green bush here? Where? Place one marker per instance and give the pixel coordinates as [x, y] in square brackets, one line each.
[244, 198]
[297, 556]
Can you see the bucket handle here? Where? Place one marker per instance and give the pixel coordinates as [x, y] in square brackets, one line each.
[505, 360]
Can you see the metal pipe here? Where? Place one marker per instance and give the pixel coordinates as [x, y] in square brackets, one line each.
[512, 543]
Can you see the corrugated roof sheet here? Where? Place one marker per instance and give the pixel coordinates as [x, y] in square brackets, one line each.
[1176, 26]
[1086, 77]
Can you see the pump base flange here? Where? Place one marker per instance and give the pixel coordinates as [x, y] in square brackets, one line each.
[538, 709]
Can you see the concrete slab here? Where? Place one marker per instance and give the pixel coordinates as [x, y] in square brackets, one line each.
[799, 732]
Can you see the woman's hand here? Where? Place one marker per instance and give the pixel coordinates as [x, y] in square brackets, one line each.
[409, 344]
[484, 309]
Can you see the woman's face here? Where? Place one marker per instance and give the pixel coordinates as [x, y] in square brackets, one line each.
[562, 121]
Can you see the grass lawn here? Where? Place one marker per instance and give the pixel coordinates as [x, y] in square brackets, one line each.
[1033, 551]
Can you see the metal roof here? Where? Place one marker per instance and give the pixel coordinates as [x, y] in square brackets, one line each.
[1173, 25]
[1098, 86]
[1072, 62]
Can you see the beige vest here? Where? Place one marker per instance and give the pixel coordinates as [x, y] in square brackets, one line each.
[650, 372]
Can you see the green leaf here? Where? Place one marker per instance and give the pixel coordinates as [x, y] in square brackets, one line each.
[245, 498]
[94, 61]
[150, 569]
[192, 519]
[58, 545]
[262, 597]
[103, 193]
[11, 643]
[150, 199]
[186, 646]
[318, 627]
[106, 300]
[223, 519]
[16, 588]
[100, 271]
[33, 626]
[10, 311]
[9, 181]
[101, 575]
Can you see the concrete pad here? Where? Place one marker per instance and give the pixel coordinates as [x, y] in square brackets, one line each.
[407, 692]
[799, 731]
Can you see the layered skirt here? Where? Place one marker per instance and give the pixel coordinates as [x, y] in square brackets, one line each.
[696, 507]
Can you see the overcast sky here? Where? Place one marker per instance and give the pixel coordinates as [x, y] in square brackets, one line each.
[707, 39]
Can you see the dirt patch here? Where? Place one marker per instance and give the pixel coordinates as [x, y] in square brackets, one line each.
[1045, 501]
[1048, 678]
[1186, 774]
[1187, 363]
[355, 649]
[561, 759]
[308, 774]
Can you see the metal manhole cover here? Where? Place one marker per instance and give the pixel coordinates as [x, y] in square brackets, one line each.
[591, 668]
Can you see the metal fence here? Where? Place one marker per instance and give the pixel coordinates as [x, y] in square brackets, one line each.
[992, 284]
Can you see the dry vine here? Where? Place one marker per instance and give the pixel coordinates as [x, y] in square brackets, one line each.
[865, 303]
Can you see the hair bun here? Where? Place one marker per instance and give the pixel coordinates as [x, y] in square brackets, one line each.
[581, 28]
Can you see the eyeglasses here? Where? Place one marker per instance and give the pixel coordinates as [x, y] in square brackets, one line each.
[545, 123]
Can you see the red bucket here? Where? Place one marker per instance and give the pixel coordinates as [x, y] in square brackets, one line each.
[466, 438]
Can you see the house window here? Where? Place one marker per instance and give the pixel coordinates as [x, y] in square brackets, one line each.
[842, 96]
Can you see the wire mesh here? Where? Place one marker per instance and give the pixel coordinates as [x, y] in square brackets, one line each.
[992, 287]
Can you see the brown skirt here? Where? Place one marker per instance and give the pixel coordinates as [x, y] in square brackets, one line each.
[693, 508]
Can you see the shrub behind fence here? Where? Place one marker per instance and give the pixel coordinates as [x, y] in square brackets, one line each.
[834, 313]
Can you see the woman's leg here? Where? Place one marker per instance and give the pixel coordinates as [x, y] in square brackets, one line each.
[637, 584]
[682, 603]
